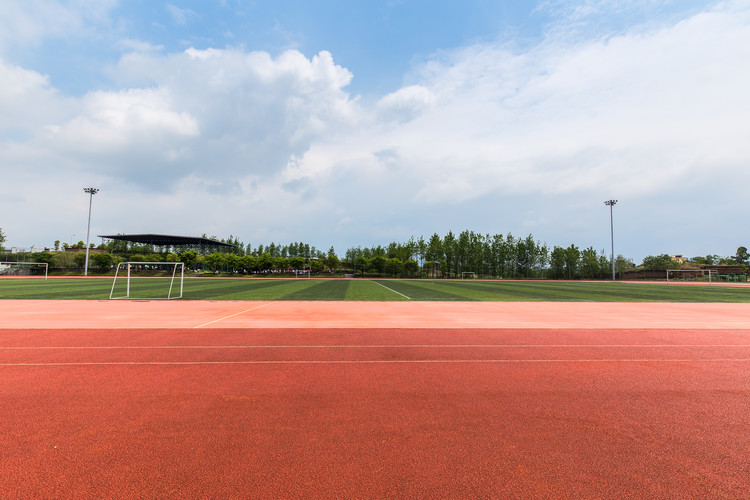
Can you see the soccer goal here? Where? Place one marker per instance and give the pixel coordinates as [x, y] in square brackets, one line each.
[24, 269]
[305, 272]
[691, 275]
[468, 275]
[148, 281]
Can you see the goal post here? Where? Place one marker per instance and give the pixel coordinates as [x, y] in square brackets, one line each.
[24, 269]
[306, 270]
[691, 275]
[148, 281]
[468, 275]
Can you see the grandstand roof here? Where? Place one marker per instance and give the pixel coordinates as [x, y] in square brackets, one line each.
[165, 239]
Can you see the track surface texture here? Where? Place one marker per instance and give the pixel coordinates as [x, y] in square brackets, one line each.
[374, 401]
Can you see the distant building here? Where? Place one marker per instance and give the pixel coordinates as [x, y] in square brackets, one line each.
[679, 258]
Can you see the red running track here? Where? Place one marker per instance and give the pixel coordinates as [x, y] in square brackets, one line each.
[376, 412]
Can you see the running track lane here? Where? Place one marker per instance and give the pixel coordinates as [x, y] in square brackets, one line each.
[375, 413]
[71, 314]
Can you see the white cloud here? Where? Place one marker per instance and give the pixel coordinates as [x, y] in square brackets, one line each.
[31, 21]
[406, 103]
[181, 16]
[26, 100]
[130, 117]
[489, 137]
[650, 115]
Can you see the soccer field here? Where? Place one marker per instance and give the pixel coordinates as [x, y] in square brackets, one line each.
[376, 290]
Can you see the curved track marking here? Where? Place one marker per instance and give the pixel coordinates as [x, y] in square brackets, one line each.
[233, 315]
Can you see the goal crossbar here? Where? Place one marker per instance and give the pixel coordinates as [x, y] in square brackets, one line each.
[17, 268]
[691, 273]
[306, 269]
[129, 266]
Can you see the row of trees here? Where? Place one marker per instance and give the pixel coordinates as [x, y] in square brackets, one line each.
[485, 255]
[664, 261]
[449, 256]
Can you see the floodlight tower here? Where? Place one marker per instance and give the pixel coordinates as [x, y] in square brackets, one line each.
[610, 204]
[91, 192]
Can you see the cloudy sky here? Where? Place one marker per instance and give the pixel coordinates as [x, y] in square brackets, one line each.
[351, 123]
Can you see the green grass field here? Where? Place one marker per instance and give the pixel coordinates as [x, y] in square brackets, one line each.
[377, 290]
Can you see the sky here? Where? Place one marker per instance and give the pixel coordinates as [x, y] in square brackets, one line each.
[358, 123]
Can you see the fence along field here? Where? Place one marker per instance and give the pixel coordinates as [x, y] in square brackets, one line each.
[377, 290]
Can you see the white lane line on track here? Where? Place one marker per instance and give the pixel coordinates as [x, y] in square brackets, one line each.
[350, 362]
[233, 315]
[373, 346]
[391, 289]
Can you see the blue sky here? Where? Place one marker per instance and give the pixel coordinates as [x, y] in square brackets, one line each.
[377, 41]
[361, 123]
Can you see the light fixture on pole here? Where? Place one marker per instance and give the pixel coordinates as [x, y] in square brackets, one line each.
[610, 204]
[91, 192]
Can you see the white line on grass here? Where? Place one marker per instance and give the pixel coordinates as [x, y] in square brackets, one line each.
[391, 289]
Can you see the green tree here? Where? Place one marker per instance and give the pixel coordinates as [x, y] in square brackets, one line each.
[499, 251]
[589, 263]
[605, 265]
[80, 260]
[265, 262]
[449, 251]
[213, 261]
[316, 265]
[361, 263]
[509, 259]
[331, 261]
[2, 240]
[572, 258]
[232, 261]
[64, 260]
[658, 262]
[434, 253]
[250, 262]
[296, 262]
[528, 255]
[102, 262]
[377, 263]
[622, 264]
[393, 266]
[421, 250]
[557, 262]
[741, 257]
[411, 267]
[189, 258]
[45, 257]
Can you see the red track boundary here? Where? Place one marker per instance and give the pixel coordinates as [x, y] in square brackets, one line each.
[357, 411]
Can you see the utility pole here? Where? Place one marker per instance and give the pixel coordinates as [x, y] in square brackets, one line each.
[91, 192]
[610, 204]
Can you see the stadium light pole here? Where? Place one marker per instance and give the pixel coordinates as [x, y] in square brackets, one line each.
[91, 192]
[610, 204]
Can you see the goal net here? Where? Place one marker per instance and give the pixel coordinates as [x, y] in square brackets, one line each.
[707, 275]
[148, 281]
[38, 269]
[468, 275]
[305, 272]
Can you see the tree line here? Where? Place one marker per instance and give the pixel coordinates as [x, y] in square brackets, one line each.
[483, 256]
[449, 256]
